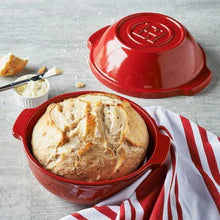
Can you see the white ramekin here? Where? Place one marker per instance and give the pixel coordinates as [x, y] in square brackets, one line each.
[25, 102]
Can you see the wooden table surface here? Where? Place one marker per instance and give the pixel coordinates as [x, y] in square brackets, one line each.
[55, 33]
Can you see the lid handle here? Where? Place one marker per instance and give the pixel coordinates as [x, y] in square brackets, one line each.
[96, 36]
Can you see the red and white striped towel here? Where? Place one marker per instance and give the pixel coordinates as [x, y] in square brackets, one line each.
[186, 187]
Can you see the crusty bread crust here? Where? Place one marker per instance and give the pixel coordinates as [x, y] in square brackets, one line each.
[13, 65]
[92, 137]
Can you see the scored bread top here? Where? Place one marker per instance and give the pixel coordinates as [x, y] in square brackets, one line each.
[92, 137]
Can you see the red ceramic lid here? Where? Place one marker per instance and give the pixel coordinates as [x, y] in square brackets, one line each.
[148, 55]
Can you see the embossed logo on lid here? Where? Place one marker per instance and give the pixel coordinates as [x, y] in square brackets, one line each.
[150, 31]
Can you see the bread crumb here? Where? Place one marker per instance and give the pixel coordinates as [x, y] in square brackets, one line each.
[80, 85]
[42, 70]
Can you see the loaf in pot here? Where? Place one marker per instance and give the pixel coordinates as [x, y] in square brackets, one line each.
[92, 137]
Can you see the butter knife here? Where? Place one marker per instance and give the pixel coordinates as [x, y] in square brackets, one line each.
[25, 81]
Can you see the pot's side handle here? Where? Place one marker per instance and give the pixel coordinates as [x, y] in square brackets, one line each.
[96, 36]
[21, 123]
[161, 150]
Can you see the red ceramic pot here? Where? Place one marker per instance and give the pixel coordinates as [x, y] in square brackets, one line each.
[148, 55]
[79, 191]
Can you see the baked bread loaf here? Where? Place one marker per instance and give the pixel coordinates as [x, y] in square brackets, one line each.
[10, 65]
[92, 137]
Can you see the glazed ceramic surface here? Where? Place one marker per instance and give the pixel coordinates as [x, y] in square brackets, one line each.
[148, 55]
[87, 192]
